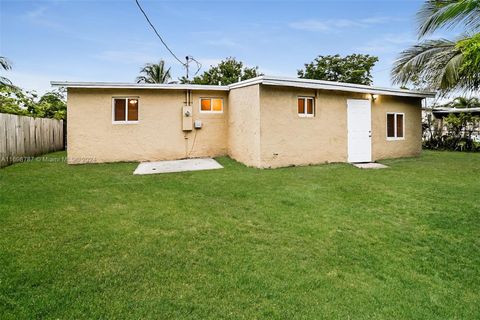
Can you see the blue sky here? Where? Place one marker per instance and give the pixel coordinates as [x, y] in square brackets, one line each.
[109, 40]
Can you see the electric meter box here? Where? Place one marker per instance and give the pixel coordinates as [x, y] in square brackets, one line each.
[187, 121]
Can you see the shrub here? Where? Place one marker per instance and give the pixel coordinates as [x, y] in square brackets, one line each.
[457, 133]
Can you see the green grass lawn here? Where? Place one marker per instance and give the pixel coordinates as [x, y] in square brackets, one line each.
[328, 241]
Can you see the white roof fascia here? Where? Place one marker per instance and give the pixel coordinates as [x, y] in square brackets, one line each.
[118, 85]
[245, 83]
[343, 86]
[330, 85]
[265, 80]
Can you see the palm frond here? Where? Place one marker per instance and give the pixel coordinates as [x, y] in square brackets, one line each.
[436, 14]
[462, 102]
[435, 62]
[451, 72]
[154, 73]
[5, 64]
[141, 79]
[413, 60]
[436, 65]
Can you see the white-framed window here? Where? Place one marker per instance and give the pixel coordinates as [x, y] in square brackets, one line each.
[395, 126]
[124, 110]
[211, 105]
[306, 107]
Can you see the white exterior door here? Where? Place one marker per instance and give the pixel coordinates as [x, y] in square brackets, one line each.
[359, 130]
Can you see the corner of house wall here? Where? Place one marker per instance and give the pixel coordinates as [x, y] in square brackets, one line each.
[253, 145]
[259, 151]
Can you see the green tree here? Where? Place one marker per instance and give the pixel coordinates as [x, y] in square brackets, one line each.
[228, 71]
[14, 100]
[51, 105]
[5, 65]
[443, 64]
[355, 68]
[154, 73]
[460, 128]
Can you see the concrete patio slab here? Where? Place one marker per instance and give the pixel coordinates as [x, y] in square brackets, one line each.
[370, 165]
[177, 166]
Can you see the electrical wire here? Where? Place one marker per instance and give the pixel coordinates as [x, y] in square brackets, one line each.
[159, 36]
[199, 65]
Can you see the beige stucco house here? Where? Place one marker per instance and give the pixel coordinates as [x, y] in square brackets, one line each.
[264, 122]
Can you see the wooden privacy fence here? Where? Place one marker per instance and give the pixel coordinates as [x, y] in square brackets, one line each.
[22, 137]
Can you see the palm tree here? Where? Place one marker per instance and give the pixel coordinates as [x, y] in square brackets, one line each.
[154, 73]
[443, 64]
[462, 102]
[5, 65]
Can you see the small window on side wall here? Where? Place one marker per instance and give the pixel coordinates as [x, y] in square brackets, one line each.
[306, 106]
[211, 105]
[395, 126]
[125, 110]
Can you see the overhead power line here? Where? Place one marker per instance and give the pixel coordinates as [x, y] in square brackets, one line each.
[199, 65]
[159, 36]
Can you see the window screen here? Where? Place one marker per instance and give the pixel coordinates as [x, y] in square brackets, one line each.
[399, 125]
[301, 106]
[305, 106]
[132, 109]
[211, 105]
[395, 126]
[217, 104]
[206, 105]
[119, 110]
[309, 106]
[391, 125]
[125, 110]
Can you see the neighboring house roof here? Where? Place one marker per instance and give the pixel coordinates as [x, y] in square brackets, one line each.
[264, 80]
[455, 110]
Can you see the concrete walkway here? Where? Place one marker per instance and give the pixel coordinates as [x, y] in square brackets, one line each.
[370, 165]
[177, 166]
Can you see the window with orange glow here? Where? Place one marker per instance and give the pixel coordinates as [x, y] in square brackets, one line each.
[306, 106]
[125, 110]
[213, 105]
[217, 105]
[206, 105]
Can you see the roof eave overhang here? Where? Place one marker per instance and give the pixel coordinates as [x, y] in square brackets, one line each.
[107, 85]
[263, 80]
[328, 85]
[335, 87]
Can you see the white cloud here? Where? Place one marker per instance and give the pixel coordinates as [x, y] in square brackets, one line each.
[223, 42]
[35, 13]
[132, 57]
[336, 24]
[377, 20]
[388, 43]
[39, 16]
